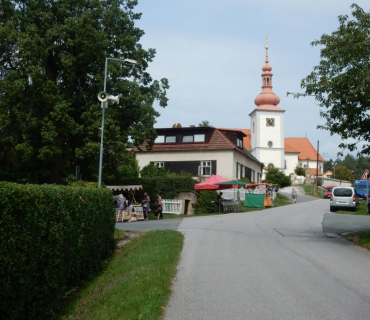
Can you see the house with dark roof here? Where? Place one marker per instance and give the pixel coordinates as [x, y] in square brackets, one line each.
[201, 151]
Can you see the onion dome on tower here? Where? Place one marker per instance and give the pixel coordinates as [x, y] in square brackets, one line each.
[267, 100]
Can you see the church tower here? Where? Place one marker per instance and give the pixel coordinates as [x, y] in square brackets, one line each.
[267, 123]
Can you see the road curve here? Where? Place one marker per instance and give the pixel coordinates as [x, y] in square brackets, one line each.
[270, 264]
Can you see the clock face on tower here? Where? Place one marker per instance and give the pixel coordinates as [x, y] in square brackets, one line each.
[270, 122]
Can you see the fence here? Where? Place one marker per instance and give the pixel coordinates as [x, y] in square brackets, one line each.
[173, 206]
[233, 194]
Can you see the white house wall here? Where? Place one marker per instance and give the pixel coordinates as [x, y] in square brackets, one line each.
[291, 163]
[256, 167]
[226, 160]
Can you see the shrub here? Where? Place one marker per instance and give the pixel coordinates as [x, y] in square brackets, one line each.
[277, 177]
[299, 171]
[205, 202]
[52, 238]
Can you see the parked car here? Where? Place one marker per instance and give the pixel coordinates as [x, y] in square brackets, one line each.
[327, 192]
[343, 198]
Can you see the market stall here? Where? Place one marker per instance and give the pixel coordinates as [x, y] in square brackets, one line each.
[256, 197]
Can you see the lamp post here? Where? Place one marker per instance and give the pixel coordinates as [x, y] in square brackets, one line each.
[334, 169]
[104, 98]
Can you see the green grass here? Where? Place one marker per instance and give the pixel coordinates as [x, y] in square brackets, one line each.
[136, 283]
[281, 200]
[360, 238]
[362, 210]
[309, 191]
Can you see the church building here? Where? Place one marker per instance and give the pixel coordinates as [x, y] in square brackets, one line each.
[266, 139]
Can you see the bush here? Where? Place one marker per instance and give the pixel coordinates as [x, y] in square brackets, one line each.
[205, 202]
[299, 171]
[169, 186]
[277, 177]
[52, 238]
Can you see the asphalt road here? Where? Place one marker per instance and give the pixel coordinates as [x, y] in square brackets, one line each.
[281, 263]
[271, 264]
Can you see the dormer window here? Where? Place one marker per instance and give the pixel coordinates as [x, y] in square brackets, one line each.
[159, 139]
[170, 139]
[187, 139]
[239, 143]
[199, 137]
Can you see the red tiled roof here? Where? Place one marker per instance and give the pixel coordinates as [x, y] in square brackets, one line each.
[218, 141]
[305, 148]
[313, 172]
[246, 139]
[289, 149]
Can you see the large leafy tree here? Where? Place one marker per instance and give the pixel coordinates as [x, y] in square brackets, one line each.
[275, 176]
[343, 173]
[52, 58]
[341, 82]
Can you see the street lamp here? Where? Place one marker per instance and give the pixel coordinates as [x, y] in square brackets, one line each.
[104, 98]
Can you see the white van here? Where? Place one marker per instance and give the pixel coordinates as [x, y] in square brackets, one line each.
[343, 198]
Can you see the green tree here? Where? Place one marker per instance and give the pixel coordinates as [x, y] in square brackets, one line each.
[275, 176]
[341, 82]
[343, 173]
[204, 123]
[299, 171]
[152, 170]
[52, 59]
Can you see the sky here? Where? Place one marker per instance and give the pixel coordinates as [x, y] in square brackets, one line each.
[212, 52]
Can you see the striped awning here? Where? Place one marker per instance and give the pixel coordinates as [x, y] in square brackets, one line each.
[125, 188]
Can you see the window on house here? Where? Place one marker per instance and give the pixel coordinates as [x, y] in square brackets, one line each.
[170, 139]
[284, 164]
[199, 137]
[159, 164]
[239, 143]
[305, 166]
[159, 139]
[188, 138]
[239, 168]
[205, 168]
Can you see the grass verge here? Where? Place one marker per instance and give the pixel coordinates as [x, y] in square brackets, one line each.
[359, 238]
[309, 191]
[362, 210]
[136, 283]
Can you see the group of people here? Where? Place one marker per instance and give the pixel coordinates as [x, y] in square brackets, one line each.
[124, 205]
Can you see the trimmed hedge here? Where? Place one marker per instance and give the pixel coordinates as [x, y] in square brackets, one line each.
[51, 239]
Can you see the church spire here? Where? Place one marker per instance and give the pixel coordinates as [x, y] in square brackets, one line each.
[267, 99]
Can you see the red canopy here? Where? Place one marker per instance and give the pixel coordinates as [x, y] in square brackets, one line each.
[209, 184]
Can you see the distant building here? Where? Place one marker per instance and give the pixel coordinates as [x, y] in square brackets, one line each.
[266, 139]
[202, 151]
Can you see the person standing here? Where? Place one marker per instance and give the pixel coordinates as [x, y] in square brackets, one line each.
[158, 207]
[128, 208]
[146, 206]
[294, 195]
[219, 202]
[121, 207]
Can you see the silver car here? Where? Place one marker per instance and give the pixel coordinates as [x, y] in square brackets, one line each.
[343, 198]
